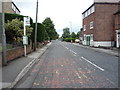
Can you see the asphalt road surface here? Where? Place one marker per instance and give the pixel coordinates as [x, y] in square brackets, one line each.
[65, 65]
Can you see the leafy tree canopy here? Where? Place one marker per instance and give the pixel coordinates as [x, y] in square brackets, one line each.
[73, 35]
[66, 33]
[78, 34]
[50, 29]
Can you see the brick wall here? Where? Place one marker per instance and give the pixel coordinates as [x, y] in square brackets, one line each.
[104, 30]
[15, 53]
[117, 21]
[86, 22]
[103, 22]
[19, 51]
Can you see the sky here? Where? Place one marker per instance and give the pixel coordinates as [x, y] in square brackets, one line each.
[63, 13]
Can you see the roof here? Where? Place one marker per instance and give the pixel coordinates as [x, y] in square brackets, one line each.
[15, 6]
[113, 3]
[88, 8]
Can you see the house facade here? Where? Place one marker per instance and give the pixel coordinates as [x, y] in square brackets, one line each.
[117, 28]
[10, 7]
[98, 24]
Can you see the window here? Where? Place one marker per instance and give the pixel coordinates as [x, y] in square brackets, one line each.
[92, 9]
[84, 28]
[89, 11]
[91, 25]
[15, 9]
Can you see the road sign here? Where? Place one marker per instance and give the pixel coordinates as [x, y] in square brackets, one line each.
[27, 21]
[25, 40]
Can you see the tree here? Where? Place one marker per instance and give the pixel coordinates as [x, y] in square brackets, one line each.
[73, 35]
[50, 29]
[78, 34]
[14, 31]
[66, 33]
[40, 33]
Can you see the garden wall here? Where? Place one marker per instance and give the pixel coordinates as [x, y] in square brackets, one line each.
[15, 53]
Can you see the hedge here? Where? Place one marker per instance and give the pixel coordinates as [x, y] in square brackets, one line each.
[69, 39]
[10, 16]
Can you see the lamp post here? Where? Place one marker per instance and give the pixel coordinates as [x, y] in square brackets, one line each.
[36, 27]
[4, 59]
[71, 30]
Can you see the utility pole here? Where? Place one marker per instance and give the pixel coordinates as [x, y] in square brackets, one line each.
[4, 59]
[71, 30]
[36, 27]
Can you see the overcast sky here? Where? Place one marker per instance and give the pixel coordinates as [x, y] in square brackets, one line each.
[62, 12]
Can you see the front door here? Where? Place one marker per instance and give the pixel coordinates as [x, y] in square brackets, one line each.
[88, 40]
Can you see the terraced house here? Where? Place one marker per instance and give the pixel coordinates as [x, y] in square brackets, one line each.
[99, 22]
[10, 7]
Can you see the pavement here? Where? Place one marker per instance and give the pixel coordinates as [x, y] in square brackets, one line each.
[113, 51]
[16, 69]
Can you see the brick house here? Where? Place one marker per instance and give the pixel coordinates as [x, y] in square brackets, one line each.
[10, 7]
[98, 23]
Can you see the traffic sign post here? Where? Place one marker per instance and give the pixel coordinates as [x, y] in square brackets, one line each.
[25, 38]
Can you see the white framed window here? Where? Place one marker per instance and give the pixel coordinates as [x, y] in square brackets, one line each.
[91, 25]
[13, 7]
[89, 12]
[84, 27]
[92, 9]
[86, 14]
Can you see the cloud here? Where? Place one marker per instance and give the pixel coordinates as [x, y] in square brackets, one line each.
[60, 11]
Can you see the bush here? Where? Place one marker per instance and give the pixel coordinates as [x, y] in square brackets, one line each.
[14, 31]
[10, 17]
[40, 33]
[69, 39]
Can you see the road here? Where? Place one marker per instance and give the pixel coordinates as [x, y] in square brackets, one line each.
[65, 65]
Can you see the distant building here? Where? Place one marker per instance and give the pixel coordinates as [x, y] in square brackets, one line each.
[98, 23]
[10, 7]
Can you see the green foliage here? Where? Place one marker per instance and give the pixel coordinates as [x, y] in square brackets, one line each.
[10, 17]
[69, 39]
[40, 33]
[73, 35]
[66, 33]
[14, 31]
[78, 34]
[0, 48]
[50, 29]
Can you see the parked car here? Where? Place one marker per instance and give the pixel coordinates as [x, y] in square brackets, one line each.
[77, 40]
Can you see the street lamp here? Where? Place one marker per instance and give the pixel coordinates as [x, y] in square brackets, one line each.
[36, 27]
[4, 60]
[71, 30]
